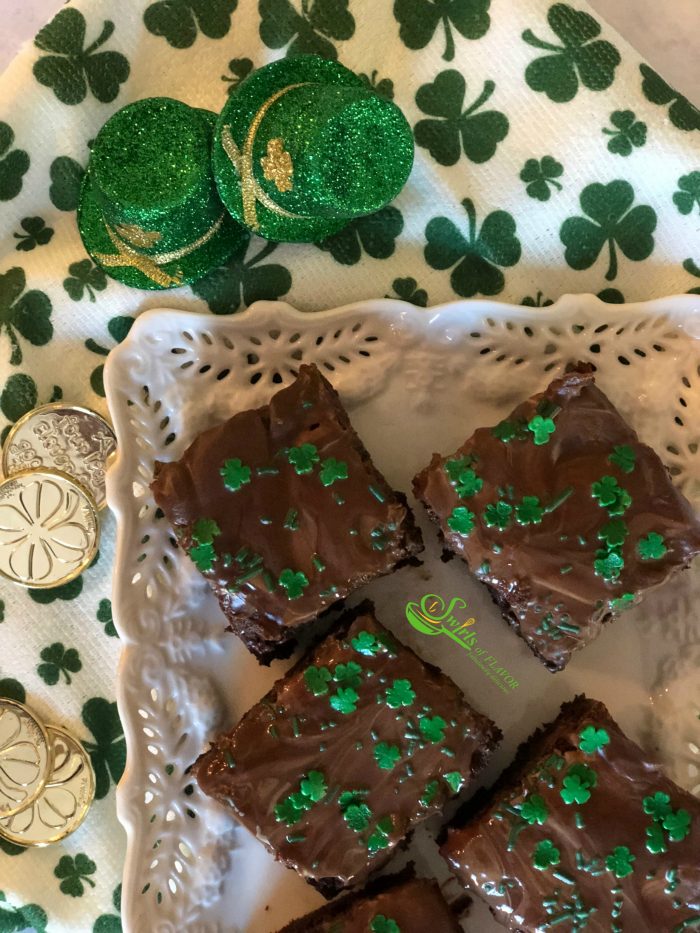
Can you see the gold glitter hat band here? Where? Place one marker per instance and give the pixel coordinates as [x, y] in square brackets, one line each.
[251, 190]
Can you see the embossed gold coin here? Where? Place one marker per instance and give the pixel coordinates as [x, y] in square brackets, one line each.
[73, 440]
[49, 528]
[63, 803]
[25, 758]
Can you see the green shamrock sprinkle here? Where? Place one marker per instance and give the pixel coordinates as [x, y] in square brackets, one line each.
[345, 700]
[608, 564]
[623, 457]
[351, 798]
[382, 924]
[203, 556]
[592, 740]
[386, 755]
[332, 470]
[653, 547]
[658, 806]
[317, 679]
[235, 474]
[379, 838]
[507, 430]
[357, 816]
[461, 521]
[366, 643]
[348, 675]
[303, 458]
[586, 775]
[656, 844]
[430, 792]
[455, 780]
[574, 790]
[619, 862]
[545, 854]
[622, 602]
[286, 812]
[611, 496]
[468, 484]
[614, 533]
[432, 729]
[529, 512]
[498, 515]
[293, 582]
[400, 694]
[534, 810]
[314, 786]
[205, 530]
[677, 824]
[541, 429]
[455, 468]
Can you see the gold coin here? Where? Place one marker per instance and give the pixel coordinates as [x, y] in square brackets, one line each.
[25, 757]
[73, 440]
[63, 803]
[49, 529]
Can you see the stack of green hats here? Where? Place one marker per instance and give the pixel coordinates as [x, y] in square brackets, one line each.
[300, 149]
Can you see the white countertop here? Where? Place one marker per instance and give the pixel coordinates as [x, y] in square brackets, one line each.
[667, 34]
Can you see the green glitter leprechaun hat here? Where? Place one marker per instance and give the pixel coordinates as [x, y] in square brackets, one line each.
[150, 214]
[302, 147]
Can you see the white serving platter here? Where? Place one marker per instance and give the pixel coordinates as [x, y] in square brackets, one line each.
[414, 381]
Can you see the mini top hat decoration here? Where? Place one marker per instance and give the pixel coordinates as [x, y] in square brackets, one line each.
[149, 213]
[302, 147]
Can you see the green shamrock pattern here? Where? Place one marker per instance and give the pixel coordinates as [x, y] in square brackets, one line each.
[581, 58]
[14, 164]
[179, 21]
[612, 220]
[457, 129]
[474, 259]
[70, 68]
[532, 178]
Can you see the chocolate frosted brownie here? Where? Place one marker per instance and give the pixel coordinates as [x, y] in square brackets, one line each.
[355, 746]
[284, 513]
[392, 904]
[583, 832]
[563, 513]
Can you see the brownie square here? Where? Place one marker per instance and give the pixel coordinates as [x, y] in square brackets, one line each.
[284, 513]
[583, 831]
[393, 904]
[562, 513]
[359, 743]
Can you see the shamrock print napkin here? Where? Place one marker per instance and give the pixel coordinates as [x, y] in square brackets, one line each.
[549, 159]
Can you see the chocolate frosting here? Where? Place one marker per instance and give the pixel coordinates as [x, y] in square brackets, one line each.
[544, 574]
[294, 731]
[339, 535]
[415, 906]
[601, 870]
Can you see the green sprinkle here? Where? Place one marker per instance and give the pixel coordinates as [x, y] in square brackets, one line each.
[203, 556]
[455, 468]
[566, 569]
[338, 499]
[447, 752]
[497, 548]
[244, 578]
[432, 729]
[529, 512]
[332, 471]
[345, 700]
[366, 643]
[569, 627]
[468, 484]
[377, 493]
[578, 820]
[327, 594]
[205, 530]
[541, 429]
[387, 756]
[293, 582]
[318, 563]
[353, 532]
[592, 740]
[400, 694]
[608, 564]
[273, 732]
[545, 855]
[498, 515]
[622, 602]
[484, 568]
[227, 560]
[558, 500]
[429, 794]
[230, 763]
[461, 521]
[619, 862]
[265, 521]
[510, 430]
[298, 838]
[317, 680]
[614, 532]
[268, 580]
[291, 520]
[303, 458]
[295, 727]
[267, 471]
[235, 474]
[623, 457]
[611, 496]
[653, 547]
[455, 780]
[562, 876]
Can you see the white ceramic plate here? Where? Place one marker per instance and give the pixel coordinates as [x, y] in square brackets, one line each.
[415, 381]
